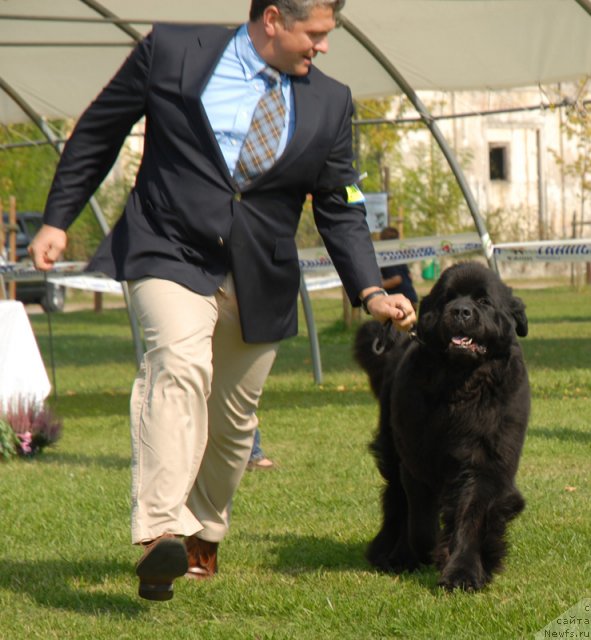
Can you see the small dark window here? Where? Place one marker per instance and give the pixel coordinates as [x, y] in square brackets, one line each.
[498, 162]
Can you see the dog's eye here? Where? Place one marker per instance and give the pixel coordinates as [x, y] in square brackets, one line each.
[484, 301]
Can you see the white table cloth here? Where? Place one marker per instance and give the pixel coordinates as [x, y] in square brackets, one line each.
[22, 373]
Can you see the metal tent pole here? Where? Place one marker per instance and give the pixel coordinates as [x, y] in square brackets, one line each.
[435, 131]
[312, 332]
[111, 18]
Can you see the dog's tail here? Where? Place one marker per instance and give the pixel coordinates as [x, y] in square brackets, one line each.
[371, 351]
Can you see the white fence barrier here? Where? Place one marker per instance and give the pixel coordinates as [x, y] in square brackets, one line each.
[549, 251]
[318, 271]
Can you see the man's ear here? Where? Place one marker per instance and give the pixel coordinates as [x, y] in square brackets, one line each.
[272, 20]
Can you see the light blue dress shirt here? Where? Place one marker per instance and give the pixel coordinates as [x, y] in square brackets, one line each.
[232, 94]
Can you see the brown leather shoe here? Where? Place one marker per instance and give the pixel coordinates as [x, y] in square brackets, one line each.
[164, 559]
[203, 558]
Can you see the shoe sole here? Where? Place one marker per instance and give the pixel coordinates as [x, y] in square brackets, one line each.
[167, 561]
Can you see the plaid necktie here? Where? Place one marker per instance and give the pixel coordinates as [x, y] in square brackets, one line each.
[260, 145]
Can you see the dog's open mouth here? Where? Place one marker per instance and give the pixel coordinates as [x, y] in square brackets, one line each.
[463, 342]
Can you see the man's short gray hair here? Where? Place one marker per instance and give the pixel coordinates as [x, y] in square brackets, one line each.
[293, 10]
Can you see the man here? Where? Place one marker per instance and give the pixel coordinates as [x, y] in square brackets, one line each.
[207, 246]
[396, 278]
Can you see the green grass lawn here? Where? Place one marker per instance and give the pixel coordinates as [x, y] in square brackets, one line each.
[293, 564]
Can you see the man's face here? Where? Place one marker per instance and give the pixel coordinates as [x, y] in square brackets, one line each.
[296, 44]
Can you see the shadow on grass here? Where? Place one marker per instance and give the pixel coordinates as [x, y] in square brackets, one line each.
[315, 397]
[563, 434]
[556, 353]
[563, 319]
[297, 554]
[71, 586]
[87, 350]
[119, 463]
[93, 404]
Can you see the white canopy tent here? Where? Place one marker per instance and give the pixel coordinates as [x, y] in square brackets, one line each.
[56, 54]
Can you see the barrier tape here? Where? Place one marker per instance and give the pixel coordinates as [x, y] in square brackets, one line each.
[25, 271]
[548, 251]
[390, 252]
[315, 261]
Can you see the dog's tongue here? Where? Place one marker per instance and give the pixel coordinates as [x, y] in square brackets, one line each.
[468, 343]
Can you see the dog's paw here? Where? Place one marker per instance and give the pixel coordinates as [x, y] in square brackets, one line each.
[441, 557]
[403, 564]
[467, 579]
[379, 562]
[403, 560]
[391, 561]
[377, 554]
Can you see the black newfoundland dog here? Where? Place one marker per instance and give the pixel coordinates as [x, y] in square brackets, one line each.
[454, 405]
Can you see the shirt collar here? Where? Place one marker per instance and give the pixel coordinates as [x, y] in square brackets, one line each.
[251, 61]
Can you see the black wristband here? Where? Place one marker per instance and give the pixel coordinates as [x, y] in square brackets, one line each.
[369, 296]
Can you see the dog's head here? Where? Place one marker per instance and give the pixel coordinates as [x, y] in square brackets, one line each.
[470, 314]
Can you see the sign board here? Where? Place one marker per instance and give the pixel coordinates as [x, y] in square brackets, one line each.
[376, 205]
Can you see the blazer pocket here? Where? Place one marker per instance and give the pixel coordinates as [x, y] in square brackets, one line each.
[285, 249]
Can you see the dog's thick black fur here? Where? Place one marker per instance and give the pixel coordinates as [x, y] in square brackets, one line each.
[454, 406]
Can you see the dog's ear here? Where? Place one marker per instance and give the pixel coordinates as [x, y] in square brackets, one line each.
[427, 317]
[518, 313]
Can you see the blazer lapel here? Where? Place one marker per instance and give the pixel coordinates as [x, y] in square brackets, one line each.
[200, 60]
[305, 100]
[199, 63]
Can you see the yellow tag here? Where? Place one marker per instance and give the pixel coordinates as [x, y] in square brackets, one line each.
[354, 194]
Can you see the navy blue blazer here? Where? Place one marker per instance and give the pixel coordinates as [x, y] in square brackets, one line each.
[186, 219]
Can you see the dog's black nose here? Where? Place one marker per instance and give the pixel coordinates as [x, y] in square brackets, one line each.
[462, 312]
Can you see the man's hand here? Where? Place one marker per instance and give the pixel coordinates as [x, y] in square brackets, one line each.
[395, 307]
[47, 247]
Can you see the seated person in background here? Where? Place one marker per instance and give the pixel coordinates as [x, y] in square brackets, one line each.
[396, 278]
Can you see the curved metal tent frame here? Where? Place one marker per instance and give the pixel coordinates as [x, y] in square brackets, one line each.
[585, 4]
[367, 44]
[106, 16]
[103, 15]
[435, 131]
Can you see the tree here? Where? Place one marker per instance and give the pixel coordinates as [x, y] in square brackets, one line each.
[421, 186]
[378, 144]
[577, 128]
[26, 172]
[428, 193]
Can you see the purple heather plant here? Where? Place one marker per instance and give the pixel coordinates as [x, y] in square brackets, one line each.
[35, 427]
[26, 443]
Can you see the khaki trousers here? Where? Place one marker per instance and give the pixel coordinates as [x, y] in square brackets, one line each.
[192, 409]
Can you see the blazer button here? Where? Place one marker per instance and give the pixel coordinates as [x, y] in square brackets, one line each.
[237, 197]
[220, 241]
